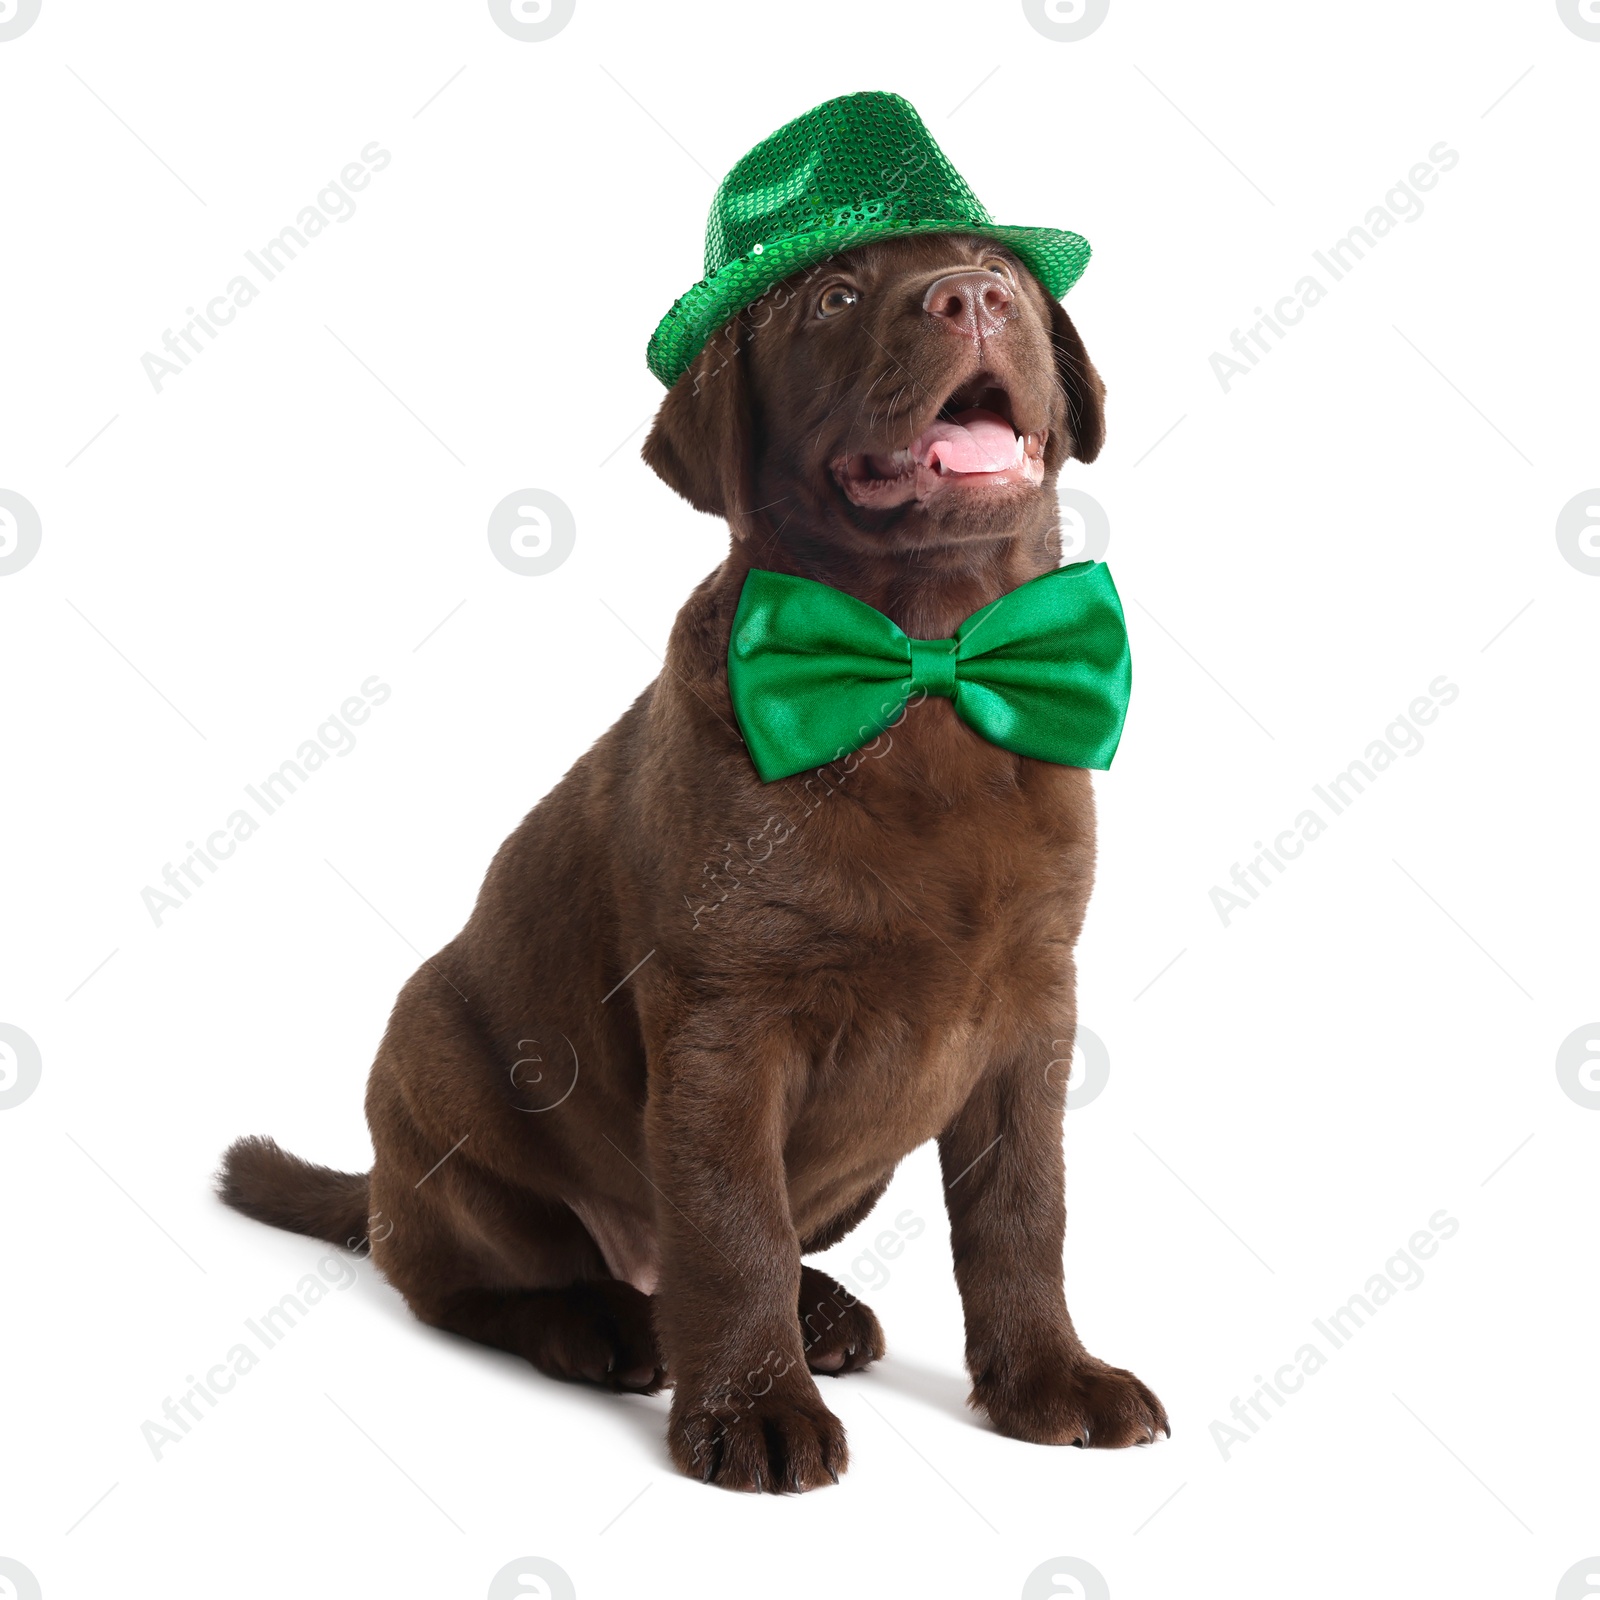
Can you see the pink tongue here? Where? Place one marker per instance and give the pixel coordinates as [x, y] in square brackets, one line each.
[975, 441]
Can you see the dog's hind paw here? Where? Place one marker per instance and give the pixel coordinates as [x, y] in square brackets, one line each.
[840, 1332]
[597, 1332]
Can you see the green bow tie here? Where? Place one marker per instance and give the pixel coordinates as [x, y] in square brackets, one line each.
[815, 673]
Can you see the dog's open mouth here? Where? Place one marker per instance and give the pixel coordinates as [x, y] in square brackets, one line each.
[973, 444]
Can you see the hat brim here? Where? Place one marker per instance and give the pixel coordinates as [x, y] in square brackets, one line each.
[1054, 256]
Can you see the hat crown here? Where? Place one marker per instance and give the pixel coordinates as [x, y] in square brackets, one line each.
[861, 160]
[854, 169]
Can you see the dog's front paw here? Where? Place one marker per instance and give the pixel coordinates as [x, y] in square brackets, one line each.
[840, 1332]
[1070, 1400]
[781, 1441]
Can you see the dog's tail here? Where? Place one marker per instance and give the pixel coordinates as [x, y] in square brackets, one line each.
[267, 1183]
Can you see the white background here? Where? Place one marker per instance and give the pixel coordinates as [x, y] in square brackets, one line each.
[1293, 1096]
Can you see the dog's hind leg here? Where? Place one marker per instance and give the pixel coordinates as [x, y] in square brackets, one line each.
[596, 1332]
[840, 1332]
[536, 1285]
[480, 1255]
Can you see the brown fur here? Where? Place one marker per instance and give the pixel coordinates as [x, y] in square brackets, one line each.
[826, 972]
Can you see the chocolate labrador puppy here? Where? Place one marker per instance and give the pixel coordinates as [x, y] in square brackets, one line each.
[695, 1021]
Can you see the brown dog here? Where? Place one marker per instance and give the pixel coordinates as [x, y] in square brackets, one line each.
[695, 1020]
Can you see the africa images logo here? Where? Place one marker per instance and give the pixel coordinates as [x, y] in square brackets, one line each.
[335, 202]
[1402, 737]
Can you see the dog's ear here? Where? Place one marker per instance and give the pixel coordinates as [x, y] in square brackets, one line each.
[1086, 394]
[701, 443]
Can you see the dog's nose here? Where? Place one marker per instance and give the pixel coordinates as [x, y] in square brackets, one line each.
[970, 303]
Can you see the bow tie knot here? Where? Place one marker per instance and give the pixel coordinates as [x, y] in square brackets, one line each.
[933, 667]
[1043, 671]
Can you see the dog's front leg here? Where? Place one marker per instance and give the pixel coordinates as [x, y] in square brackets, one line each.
[1003, 1182]
[746, 1413]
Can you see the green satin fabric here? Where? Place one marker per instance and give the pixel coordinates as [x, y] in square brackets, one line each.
[1043, 671]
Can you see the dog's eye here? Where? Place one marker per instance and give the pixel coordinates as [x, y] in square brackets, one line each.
[996, 265]
[839, 298]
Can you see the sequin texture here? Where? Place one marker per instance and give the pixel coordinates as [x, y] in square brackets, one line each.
[851, 170]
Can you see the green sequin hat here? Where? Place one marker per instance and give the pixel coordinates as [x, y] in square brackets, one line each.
[858, 168]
